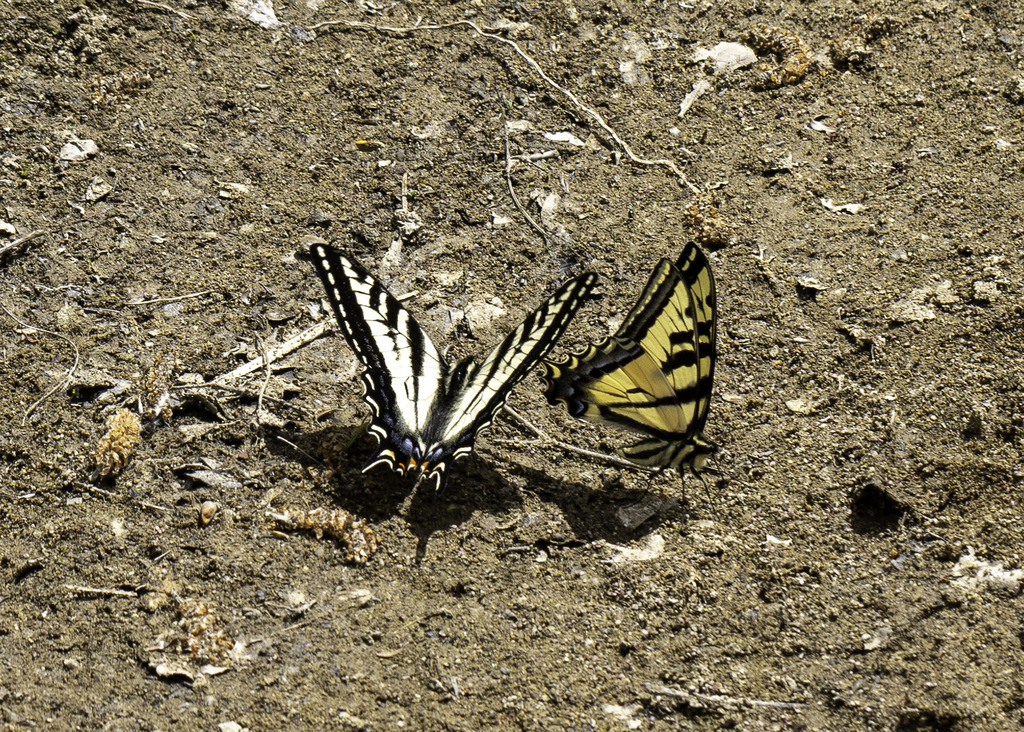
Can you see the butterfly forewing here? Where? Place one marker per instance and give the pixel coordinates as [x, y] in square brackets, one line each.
[487, 385]
[663, 324]
[696, 273]
[404, 371]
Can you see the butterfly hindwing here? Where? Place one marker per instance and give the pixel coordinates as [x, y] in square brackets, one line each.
[424, 413]
[654, 375]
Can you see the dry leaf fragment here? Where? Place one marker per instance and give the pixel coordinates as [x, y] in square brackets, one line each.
[260, 12]
[75, 149]
[97, 189]
[852, 208]
[818, 126]
[566, 137]
[980, 575]
[355, 598]
[726, 56]
[172, 670]
[652, 548]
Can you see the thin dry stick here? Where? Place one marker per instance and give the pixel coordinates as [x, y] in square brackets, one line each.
[101, 591]
[108, 494]
[170, 299]
[18, 242]
[719, 701]
[611, 459]
[95, 489]
[247, 393]
[265, 359]
[266, 381]
[593, 113]
[699, 88]
[274, 354]
[59, 384]
[512, 191]
[179, 13]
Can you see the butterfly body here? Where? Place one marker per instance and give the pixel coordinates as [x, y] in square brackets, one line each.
[424, 413]
[654, 375]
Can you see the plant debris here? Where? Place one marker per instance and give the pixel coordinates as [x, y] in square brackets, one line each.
[854, 48]
[709, 227]
[358, 540]
[794, 57]
[201, 634]
[117, 445]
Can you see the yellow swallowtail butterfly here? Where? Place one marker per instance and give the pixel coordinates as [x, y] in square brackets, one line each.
[654, 376]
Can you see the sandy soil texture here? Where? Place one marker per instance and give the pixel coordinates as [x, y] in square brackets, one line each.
[856, 562]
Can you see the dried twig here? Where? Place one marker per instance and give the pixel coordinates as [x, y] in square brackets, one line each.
[170, 299]
[269, 356]
[718, 700]
[180, 14]
[95, 489]
[589, 111]
[99, 491]
[512, 191]
[17, 243]
[273, 354]
[266, 381]
[67, 377]
[101, 591]
[699, 88]
[610, 459]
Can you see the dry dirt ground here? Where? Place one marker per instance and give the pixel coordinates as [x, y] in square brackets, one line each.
[855, 564]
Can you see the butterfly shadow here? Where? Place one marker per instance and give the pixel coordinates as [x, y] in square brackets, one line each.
[621, 508]
[382, 494]
[475, 487]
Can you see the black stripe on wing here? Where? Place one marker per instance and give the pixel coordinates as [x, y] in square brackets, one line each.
[569, 379]
[658, 453]
[483, 391]
[404, 372]
[695, 270]
[649, 305]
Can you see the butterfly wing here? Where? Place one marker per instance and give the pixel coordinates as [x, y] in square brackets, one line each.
[696, 273]
[654, 375]
[404, 375]
[478, 391]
